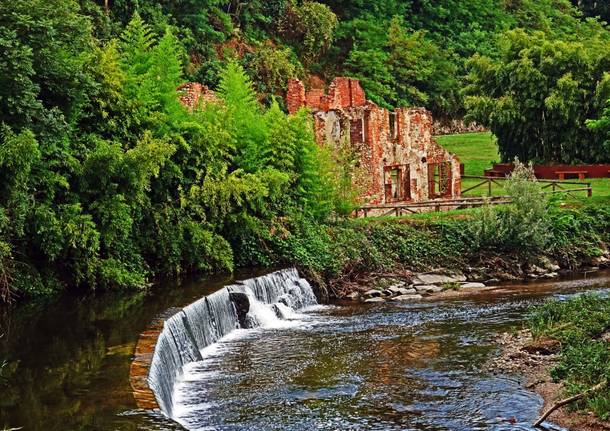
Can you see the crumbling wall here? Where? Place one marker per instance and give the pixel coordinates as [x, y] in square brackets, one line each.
[192, 94]
[295, 96]
[341, 94]
[387, 144]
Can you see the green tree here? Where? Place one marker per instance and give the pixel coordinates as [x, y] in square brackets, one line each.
[601, 125]
[46, 52]
[199, 24]
[424, 74]
[271, 67]
[537, 96]
[407, 69]
[19, 155]
[246, 126]
[310, 27]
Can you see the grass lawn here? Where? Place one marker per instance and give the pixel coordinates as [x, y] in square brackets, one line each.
[479, 151]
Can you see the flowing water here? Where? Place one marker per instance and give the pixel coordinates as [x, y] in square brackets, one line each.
[267, 301]
[345, 366]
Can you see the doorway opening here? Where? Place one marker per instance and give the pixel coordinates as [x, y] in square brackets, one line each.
[397, 182]
[439, 180]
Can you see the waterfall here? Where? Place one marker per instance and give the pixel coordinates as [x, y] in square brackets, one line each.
[258, 302]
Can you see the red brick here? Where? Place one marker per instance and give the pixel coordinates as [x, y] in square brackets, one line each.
[343, 113]
[192, 94]
[314, 99]
[295, 97]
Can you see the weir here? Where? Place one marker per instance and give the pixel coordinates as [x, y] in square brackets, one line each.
[251, 303]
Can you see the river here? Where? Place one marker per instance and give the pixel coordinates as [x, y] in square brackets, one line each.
[391, 366]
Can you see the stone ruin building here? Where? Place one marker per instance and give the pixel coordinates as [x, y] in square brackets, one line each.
[397, 159]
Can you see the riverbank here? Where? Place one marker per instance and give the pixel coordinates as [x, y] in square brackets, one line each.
[348, 259]
[533, 361]
[562, 353]
[375, 288]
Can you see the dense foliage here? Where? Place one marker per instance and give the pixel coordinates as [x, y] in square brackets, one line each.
[539, 93]
[107, 180]
[534, 69]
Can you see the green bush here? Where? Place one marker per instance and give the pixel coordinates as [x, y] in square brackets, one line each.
[272, 67]
[523, 227]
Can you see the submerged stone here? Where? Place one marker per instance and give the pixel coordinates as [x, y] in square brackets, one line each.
[242, 306]
[373, 300]
[473, 285]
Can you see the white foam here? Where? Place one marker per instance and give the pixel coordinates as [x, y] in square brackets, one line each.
[207, 329]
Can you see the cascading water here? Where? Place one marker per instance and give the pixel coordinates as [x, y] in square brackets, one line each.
[262, 301]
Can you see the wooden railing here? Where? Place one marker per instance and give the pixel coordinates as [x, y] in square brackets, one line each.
[404, 208]
[556, 186]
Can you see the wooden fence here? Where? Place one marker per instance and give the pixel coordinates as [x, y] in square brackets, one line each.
[399, 209]
[549, 187]
[556, 186]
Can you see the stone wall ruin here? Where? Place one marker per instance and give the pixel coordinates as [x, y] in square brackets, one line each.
[192, 94]
[397, 157]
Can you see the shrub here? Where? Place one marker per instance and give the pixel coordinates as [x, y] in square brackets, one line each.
[272, 67]
[310, 26]
[523, 226]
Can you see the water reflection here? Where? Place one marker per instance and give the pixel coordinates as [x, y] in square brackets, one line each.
[346, 367]
[67, 362]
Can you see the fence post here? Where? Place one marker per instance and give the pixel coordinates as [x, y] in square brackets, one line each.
[489, 188]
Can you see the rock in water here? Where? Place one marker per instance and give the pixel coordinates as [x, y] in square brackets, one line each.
[242, 306]
[374, 300]
[407, 291]
[438, 279]
[354, 296]
[428, 288]
[472, 286]
[407, 298]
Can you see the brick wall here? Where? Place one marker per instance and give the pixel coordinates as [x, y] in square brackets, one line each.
[342, 93]
[192, 94]
[380, 139]
[295, 96]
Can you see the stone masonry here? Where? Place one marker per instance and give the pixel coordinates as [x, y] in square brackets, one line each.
[398, 159]
[192, 94]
